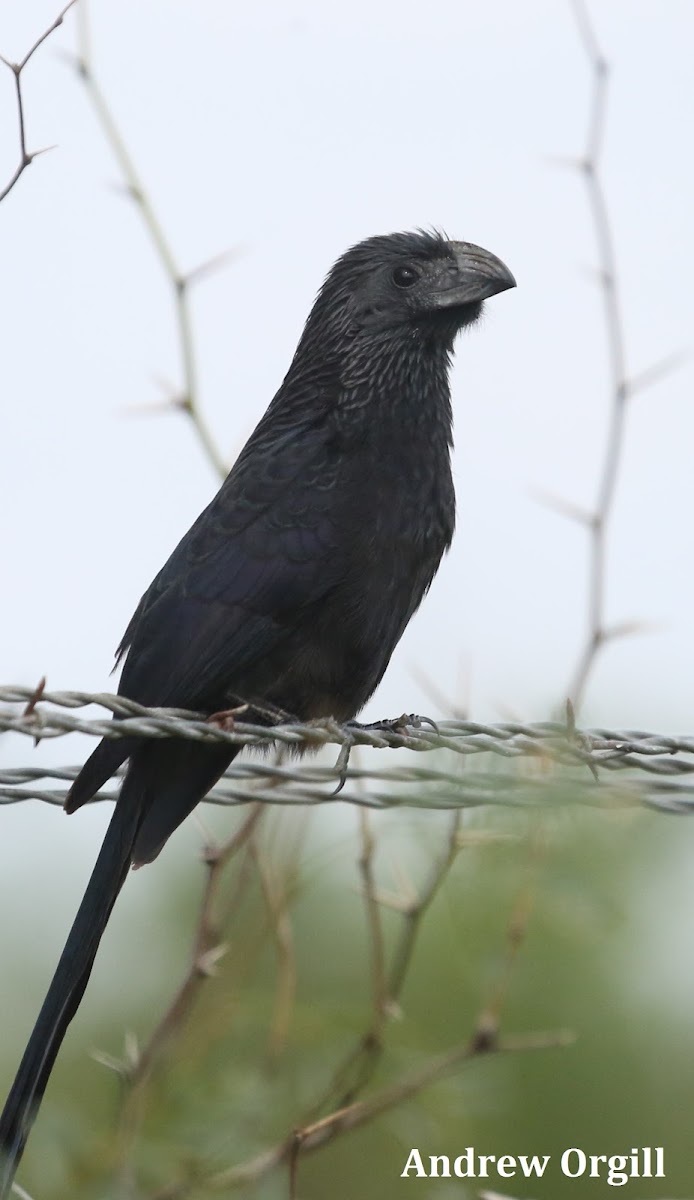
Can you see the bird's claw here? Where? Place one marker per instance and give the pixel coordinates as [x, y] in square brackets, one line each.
[342, 765]
[399, 724]
[226, 719]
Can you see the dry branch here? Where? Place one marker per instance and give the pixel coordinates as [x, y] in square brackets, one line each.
[623, 386]
[26, 157]
[187, 400]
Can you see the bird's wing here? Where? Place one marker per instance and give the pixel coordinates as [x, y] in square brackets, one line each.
[265, 547]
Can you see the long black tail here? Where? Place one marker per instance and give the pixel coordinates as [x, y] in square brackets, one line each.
[70, 980]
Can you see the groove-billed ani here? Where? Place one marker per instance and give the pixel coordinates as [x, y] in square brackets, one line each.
[295, 584]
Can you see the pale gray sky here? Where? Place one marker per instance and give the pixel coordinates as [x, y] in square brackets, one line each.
[289, 130]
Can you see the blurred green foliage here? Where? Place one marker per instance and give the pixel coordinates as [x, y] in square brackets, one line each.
[607, 953]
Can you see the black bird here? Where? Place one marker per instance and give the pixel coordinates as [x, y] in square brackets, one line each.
[293, 587]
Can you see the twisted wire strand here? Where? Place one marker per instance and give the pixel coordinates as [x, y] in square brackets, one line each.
[48, 715]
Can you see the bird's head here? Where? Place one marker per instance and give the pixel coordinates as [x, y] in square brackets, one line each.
[408, 283]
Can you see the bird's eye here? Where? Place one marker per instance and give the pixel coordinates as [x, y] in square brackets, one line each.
[405, 277]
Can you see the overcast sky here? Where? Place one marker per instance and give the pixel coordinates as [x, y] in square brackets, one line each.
[286, 131]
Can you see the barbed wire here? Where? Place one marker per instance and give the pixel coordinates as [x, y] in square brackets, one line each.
[551, 744]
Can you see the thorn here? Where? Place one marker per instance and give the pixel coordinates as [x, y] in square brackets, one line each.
[486, 1036]
[111, 1063]
[390, 900]
[210, 265]
[44, 150]
[131, 1050]
[564, 507]
[206, 963]
[210, 854]
[629, 628]
[67, 56]
[173, 404]
[562, 161]
[657, 371]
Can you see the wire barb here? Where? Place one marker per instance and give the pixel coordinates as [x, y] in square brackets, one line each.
[560, 743]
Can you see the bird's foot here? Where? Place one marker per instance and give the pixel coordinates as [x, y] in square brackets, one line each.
[399, 724]
[226, 719]
[253, 714]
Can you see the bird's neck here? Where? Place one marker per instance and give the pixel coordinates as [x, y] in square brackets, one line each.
[397, 385]
[379, 384]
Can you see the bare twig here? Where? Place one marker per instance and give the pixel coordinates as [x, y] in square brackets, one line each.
[590, 167]
[20, 1192]
[622, 386]
[417, 909]
[206, 949]
[27, 156]
[205, 954]
[180, 282]
[353, 1116]
[489, 1020]
[357, 1069]
[276, 901]
[379, 987]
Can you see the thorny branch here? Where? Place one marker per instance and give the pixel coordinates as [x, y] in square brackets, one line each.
[276, 902]
[597, 521]
[358, 1068]
[343, 1120]
[350, 1117]
[489, 1020]
[380, 998]
[206, 949]
[622, 386]
[26, 157]
[181, 283]
[205, 954]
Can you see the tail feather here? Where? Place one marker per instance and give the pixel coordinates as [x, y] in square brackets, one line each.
[70, 980]
[164, 782]
[175, 776]
[100, 766]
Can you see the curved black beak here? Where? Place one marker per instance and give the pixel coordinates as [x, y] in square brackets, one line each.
[473, 275]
